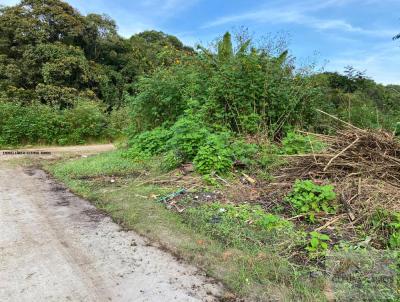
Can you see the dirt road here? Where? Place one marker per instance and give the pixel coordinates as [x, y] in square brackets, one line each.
[55, 152]
[55, 246]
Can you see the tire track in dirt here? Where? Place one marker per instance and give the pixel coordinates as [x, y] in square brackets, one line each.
[55, 246]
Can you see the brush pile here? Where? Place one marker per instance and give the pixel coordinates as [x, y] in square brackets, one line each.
[353, 153]
[364, 167]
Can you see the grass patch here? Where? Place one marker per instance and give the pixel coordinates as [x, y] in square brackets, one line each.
[110, 163]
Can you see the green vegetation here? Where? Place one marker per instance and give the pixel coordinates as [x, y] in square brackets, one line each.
[237, 91]
[240, 226]
[318, 245]
[220, 122]
[148, 143]
[56, 59]
[309, 199]
[214, 156]
[112, 163]
[295, 143]
[41, 124]
[56, 63]
[387, 225]
[370, 281]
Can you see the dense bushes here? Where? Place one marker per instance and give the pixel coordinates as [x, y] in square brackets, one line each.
[188, 136]
[215, 156]
[162, 98]
[187, 140]
[42, 124]
[149, 143]
[247, 91]
[358, 100]
[33, 124]
[211, 100]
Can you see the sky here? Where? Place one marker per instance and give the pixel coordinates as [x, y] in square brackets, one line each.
[331, 33]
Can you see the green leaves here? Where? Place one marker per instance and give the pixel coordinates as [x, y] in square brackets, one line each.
[317, 245]
[149, 143]
[214, 157]
[309, 198]
[295, 143]
[225, 48]
[186, 140]
[188, 136]
[48, 125]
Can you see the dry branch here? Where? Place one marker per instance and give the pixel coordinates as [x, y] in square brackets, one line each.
[363, 165]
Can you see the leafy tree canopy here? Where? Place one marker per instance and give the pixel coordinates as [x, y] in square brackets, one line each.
[48, 43]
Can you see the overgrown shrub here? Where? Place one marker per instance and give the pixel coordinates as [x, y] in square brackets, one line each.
[214, 156]
[43, 124]
[188, 135]
[187, 140]
[162, 98]
[244, 153]
[29, 124]
[246, 91]
[86, 120]
[149, 143]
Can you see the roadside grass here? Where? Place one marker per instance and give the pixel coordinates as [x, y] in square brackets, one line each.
[248, 269]
[109, 163]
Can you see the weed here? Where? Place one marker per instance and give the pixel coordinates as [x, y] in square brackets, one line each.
[386, 226]
[244, 153]
[238, 225]
[188, 137]
[295, 143]
[318, 245]
[309, 199]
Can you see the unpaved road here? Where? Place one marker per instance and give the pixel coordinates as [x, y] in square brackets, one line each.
[56, 152]
[55, 246]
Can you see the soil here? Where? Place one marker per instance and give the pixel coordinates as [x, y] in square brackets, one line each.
[55, 246]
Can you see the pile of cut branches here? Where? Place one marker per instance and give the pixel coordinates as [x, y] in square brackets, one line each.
[364, 166]
[352, 152]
